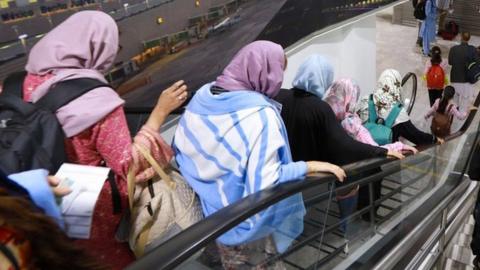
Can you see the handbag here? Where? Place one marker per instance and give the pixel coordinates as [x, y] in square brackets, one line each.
[381, 130]
[160, 208]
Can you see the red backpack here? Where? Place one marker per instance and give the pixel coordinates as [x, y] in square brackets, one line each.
[435, 77]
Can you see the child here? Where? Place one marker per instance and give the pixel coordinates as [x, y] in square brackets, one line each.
[435, 76]
[443, 111]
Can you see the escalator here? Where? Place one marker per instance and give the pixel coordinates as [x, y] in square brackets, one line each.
[408, 227]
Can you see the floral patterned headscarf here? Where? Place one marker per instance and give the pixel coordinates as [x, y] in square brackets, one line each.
[387, 94]
[342, 97]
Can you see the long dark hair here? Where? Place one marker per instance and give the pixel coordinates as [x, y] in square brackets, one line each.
[448, 94]
[51, 248]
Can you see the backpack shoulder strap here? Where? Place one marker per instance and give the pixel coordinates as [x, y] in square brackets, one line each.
[10, 256]
[16, 103]
[13, 84]
[372, 112]
[392, 116]
[64, 92]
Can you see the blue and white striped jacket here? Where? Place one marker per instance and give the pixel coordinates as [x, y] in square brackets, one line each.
[231, 145]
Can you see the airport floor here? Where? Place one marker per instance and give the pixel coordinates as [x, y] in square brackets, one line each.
[396, 49]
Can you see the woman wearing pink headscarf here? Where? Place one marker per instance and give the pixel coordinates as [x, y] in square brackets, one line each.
[343, 96]
[85, 46]
[231, 143]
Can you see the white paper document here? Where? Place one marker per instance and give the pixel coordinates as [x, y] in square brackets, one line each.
[86, 182]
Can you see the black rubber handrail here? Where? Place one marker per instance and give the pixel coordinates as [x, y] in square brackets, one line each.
[184, 245]
[405, 79]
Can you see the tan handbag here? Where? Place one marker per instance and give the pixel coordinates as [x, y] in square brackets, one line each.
[160, 208]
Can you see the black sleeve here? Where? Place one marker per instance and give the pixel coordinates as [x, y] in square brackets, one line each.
[343, 148]
[450, 57]
[408, 131]
[474, 167]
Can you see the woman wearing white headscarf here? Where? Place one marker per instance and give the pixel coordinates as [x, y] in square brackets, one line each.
[385, 97]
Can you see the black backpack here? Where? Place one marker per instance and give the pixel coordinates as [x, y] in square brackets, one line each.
[419, 12]
[30, 135]
[473, 72]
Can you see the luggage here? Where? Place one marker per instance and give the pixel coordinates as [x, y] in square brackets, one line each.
[441, 123]
[473, 72]
[30, 135]
[419, 11]
[380, 129]
[435, 77]
[451, 31]
[159, 208]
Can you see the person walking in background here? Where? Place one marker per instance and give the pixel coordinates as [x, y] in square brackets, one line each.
[429, 25]
[435, 76]
[459, 57]
[419, 14]
[443, 8]
[445, 106]
[428, 63]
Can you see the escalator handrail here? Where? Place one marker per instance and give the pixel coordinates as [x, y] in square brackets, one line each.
[405, 79]
[184, 245]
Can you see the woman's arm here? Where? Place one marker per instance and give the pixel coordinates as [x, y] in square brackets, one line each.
[114, 144]
[266, 164]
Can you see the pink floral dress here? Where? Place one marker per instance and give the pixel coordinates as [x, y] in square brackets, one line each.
[108, 143]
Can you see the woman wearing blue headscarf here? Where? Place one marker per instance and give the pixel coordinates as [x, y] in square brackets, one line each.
[312, 127]
[314, 133]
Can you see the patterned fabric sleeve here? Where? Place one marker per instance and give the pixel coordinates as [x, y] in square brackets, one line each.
[113, 144]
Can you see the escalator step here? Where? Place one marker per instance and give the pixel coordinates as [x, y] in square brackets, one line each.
[468, 229]
[462, 255]
[464, 240]
[454, 265]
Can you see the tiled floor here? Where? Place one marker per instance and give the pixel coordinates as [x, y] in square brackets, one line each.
[396, 49]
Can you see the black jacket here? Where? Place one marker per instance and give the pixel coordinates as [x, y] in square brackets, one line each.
[315, 134]
[459, 58]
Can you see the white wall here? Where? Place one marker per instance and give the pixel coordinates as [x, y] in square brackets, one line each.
[351, 49]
